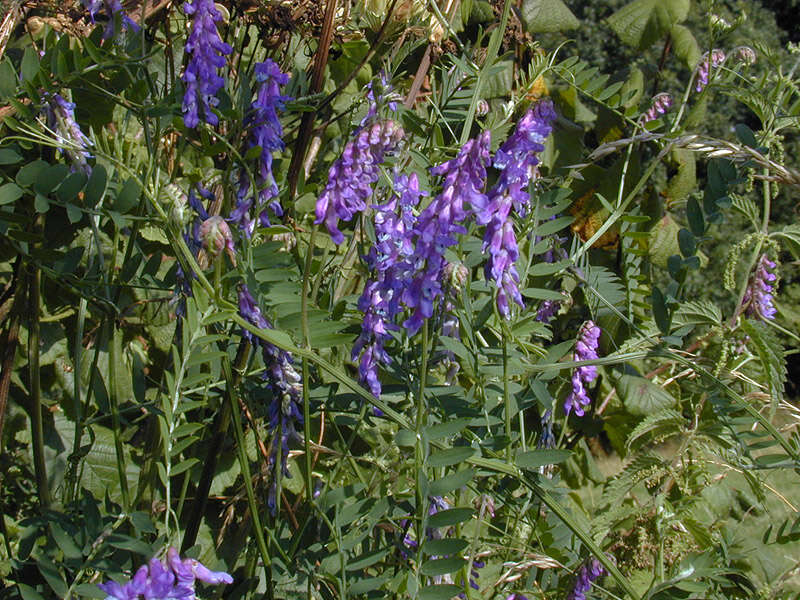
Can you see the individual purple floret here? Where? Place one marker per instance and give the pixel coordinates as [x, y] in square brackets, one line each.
[717, 58]
[588, 573]
[660, 105]
[265, 132]
[207, 52]
[61, 119]
[758, 298]
[442, 219]
[388, 259]
[173, 578]
[113, 7]
[585, 349]
[517, 159]
[285, 385]
[352, 175]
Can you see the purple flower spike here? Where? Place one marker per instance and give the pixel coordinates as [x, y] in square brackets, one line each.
[717, 58]
[265, 132]
[660, 105]
[389, 260]
[351, 177]
[758, 298]
[517, 159]
[174, 578]
[588, 573]
[207, 52]
[585, 349]
[285, 386]
[61, 119]
[442, 219]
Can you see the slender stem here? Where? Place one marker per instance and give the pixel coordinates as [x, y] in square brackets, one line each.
[506, 395]
[420, 452]
[115, 355]
[306, 374]
[37, 433]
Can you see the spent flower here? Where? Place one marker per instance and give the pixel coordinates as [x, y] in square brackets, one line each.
[585, 349]
[60, 116]
[285, 386]
[207, 55]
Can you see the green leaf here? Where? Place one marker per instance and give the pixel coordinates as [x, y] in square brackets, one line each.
[449, 517]
[686, 242]
[663, 241]
[697, 312]
[96, 186]
[9, 156]
[442, 566]
[40, 204]
[9, 192]
[445, 485]
[660, 312]
[30, 173]
[445, 591]
[789, 234]
[641, 396]
[52, 576]
[71, 186]
[74, 213]
[685, 46]
[28, 593]
[547, 16]
[368, 559]
[694, 214]
[128, 196]
[643, 22]
[451, 456]
[65, 542]
[8, 80]
[404, 437]
[540, 458]
[444, 430]
[771, 354]
[444, 546]
[30, 63]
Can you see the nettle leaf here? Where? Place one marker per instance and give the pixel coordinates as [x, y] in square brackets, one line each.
[547, 16]
[684, 45]
[641, 396]
[770, 352]
[657, 427]
[697, 312]
[642, 22]
[790, 235]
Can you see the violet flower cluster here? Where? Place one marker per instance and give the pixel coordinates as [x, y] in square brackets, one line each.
[437, 225]
[207, 52]
[175, 578]
[265, 132]
[758, 297]
[352, 175]
[388, 259]
[60, 116]
[585, 349]
[660, 105]
[517, 160]
[285, 385]
[588, 573]
[716, 59]
[113, 8]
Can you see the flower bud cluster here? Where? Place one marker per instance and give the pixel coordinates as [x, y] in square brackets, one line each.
[716, 58]
[660, 105]
[265, 132]
[207, 52]
[216, 237]
[285, 386]
[60, 116]
[588, 573]
[585, 349]
[174, 578]
[351, 177]
[517, 159]
[758, 298]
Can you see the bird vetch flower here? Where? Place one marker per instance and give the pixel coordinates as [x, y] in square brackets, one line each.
[758, 298]
[585, 349]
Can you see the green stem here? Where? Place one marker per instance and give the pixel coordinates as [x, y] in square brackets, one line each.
[114, 356]
[506, 395]
[37, 432]
[306, 374]
[420, 453]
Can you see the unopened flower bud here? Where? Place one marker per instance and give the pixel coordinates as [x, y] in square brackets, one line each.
[216, 237]
[744, 54]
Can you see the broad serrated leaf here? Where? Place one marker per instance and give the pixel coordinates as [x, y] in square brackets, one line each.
[684, 45]
[547, 16]
[641, 396]
[657, 426]
[642, 22]
[697, 312]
